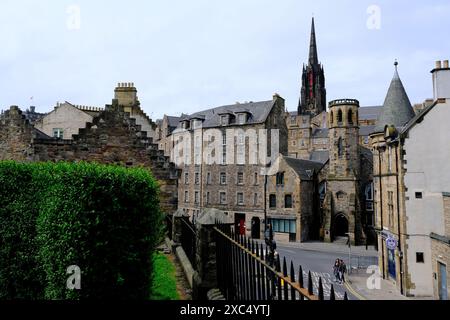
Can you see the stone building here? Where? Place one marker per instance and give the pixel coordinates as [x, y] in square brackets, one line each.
[164, 130]
[342, 210]
[339, 139]
[32, 115]
[231, 178]
[292, 199]
[411, 184]
[389, 178]
[112, 137]
[66, 120]
[308, 126]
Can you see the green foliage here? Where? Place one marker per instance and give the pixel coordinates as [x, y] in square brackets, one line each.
[20, 273]
[104, 219]
[164, 284]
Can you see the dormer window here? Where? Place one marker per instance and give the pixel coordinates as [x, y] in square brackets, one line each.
[224, 120]
[185, 125]
[242, 118]
[196, 124]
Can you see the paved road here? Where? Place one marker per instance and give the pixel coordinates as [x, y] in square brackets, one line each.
[320, 264]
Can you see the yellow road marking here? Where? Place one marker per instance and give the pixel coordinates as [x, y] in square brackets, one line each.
[352, 291]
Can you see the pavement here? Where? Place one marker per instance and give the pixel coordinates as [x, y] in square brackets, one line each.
[332, 248]
[360, 285]
[364, 287]
[319, 259]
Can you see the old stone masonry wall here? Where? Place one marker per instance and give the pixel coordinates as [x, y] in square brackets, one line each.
[112, 138]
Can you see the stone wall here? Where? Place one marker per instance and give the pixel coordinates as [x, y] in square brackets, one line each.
[16, 135]
[111, 138]
[440, 255]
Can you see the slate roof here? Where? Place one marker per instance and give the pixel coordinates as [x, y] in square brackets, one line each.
[41, 135]
[173, 121]
[33, 116]
[366, 130]
[320, 156]
[397, 108]
[304, 168]
[259, 111]
[370, 113]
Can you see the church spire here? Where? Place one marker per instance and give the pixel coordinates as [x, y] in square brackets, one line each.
[313, 92]
[313, 57]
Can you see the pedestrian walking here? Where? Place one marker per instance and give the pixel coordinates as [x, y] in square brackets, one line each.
[336, 267]
[342, 271]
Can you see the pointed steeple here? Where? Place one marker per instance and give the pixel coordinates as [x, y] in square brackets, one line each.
[313, 57]
[313, 93]
[397, 108]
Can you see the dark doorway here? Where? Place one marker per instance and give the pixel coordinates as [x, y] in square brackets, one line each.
[340, 226]
[240, 224]
[256, 228]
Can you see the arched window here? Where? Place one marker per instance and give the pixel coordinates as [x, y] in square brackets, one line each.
[350, 117]
[340, 116]
[331, 118]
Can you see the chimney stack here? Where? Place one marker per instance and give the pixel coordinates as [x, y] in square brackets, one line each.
[126, 94]
[441, 80]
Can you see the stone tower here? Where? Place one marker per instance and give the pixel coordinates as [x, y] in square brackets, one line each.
[341, 205]
[313, 93]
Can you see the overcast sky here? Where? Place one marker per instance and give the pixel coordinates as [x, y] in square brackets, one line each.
[185, 56]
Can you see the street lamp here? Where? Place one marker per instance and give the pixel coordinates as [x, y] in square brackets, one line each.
[349, 252]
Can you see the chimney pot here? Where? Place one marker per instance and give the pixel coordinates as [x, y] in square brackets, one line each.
[438, 64]
[446, 64]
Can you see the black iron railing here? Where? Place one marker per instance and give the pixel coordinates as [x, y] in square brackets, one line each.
[247, 271]
[188, 239]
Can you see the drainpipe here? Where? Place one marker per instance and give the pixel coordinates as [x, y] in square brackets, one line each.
[265, 202]
[398, 221]
[381, 211]
[201, 173]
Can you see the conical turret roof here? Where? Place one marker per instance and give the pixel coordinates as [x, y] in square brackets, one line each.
[397, 108]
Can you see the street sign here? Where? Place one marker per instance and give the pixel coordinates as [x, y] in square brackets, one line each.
[391, 243]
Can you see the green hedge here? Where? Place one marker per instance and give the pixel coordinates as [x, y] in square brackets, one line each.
[104, 219]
